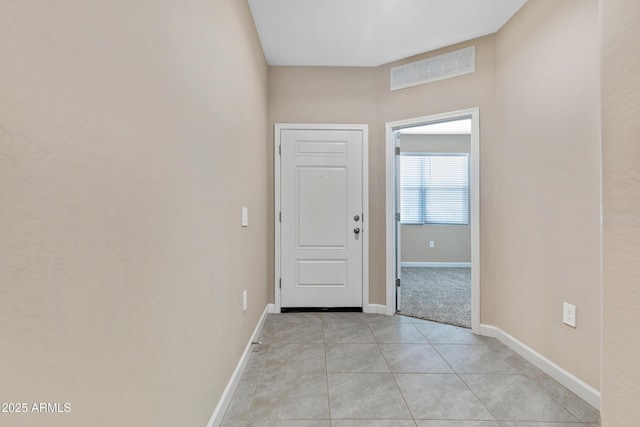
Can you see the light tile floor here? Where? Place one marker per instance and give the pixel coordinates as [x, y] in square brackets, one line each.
[365, 370]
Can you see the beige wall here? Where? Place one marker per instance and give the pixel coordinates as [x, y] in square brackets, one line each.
[536, 84]
[331, 95]
[127, 148]
[468, 91]
[411, 143]
[361, 95]
[131, 134]
[545, 182]
[452, 242]
[621, 206]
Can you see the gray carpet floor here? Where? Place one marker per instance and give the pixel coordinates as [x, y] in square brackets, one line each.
[440, 294]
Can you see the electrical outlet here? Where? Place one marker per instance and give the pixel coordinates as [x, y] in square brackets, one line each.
[432, 244]
[569, 314]
[244, 301]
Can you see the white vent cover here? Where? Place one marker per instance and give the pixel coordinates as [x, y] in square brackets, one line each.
[447, 65]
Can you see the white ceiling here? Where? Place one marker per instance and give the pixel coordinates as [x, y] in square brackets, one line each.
[370, 32]
[454, 127]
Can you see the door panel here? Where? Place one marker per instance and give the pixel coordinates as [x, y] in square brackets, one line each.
[320, 196]
[322, 206]
[322, 272]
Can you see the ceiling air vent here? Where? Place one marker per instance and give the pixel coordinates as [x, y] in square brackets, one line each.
[447, 65]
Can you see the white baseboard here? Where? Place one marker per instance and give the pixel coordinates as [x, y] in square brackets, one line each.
[375, 309]
[435, 264]
[564, 377]
[227, 394]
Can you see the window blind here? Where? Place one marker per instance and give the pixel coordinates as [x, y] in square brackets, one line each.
[434, 188]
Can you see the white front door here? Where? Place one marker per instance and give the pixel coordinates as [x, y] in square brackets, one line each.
[321, 218]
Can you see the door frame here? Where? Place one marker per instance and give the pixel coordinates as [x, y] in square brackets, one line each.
[364, 233]
[390, 127]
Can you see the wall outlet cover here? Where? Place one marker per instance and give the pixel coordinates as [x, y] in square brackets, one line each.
[245, 216]
[569, 314]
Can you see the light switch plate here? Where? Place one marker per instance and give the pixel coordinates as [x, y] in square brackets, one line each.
[569, 314]
[245, 216]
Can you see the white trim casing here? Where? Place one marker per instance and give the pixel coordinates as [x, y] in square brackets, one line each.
[365, 203]
[227, 394]
[564, 377]
[365, 219]
[276, 215]
[375, 309]
[474, 114]
[390, 202]
[435, 264]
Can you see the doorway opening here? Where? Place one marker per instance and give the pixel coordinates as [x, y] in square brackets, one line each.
[432, 211]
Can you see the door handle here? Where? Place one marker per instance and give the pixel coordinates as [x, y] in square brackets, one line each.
[356, 230]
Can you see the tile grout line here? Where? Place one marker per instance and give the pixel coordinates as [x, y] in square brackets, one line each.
[542, 389]
[413, 418]
[524, 375]
[500, 374]
[260, 360]
[463, 381]
[476, 396]
[326, 369]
